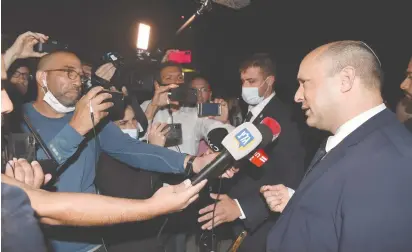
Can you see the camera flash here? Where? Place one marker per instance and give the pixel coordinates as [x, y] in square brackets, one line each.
[143, 36]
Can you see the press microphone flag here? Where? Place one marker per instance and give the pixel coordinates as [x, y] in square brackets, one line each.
[238, 144]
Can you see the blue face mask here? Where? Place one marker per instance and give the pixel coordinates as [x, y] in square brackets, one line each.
[251, 95]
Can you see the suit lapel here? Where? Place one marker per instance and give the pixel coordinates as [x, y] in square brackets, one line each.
[266, 111]
[339, 152]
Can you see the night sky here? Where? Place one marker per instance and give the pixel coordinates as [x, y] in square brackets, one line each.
[220, 39]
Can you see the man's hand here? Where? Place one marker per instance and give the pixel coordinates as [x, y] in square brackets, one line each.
[173, 198]
[226, 211]
[224, 115]
[81, 120]
[106, 71]
[161, 95]
[23, 47]
[277, 197]
[157, 134]
[30, 174]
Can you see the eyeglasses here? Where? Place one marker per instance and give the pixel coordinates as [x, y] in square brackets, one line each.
[71, 73]
[25, 76]
[202, 90]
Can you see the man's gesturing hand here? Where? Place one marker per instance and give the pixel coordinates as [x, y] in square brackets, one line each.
[277, 197]
[81, 120]
[173, 198]
[29, 174]
[226, 211]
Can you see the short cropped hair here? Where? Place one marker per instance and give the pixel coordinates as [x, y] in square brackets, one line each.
[261, 60]
[162, 66]
[357, 55]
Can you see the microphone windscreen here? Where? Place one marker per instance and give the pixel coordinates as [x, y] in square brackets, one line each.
[273, 125]
[266, 135]
[215, 138]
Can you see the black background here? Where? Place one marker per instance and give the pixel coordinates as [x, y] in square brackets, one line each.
[220, 39]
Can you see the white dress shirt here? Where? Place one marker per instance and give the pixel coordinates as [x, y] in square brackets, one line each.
[348, 127]
[194, 128]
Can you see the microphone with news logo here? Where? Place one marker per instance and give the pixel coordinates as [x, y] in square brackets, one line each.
[259, 158]
[237, 144]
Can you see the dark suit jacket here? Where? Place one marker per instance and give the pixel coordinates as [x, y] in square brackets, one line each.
[357, 199]
[285, 166]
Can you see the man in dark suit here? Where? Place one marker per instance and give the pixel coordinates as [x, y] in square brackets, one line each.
[356, 193]
[243, 207]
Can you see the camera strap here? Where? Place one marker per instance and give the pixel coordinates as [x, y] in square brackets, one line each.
[49, 165]
[139, 115]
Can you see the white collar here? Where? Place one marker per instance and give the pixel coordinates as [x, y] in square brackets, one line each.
[348, 127]
[257, 109]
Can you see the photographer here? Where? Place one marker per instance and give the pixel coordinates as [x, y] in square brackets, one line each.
[63, 120]
[21, 195]
[162, 109]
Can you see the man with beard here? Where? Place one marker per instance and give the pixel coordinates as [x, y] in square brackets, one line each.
[404, 108]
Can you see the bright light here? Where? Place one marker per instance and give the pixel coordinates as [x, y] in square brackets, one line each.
[143, 36]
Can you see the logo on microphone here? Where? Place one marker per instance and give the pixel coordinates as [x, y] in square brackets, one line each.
[244, 137]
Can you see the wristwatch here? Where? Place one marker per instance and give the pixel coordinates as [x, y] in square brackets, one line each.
[189, 166]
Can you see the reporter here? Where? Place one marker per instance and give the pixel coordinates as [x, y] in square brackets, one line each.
[81, 209]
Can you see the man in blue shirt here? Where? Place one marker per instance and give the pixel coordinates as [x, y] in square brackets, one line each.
[76, 138]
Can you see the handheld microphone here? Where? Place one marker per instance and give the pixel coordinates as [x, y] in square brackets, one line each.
[259, 158]
[215, 138]
[238, 144]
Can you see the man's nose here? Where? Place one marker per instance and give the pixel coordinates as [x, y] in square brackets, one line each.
[406, 84]
[299, 95]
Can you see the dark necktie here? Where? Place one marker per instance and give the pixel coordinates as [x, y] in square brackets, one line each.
[321, 153]
[249, 116]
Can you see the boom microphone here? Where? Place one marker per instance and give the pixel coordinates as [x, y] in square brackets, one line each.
[233, 4]
[238, 144]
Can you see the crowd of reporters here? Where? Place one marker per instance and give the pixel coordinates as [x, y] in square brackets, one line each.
[100, 155]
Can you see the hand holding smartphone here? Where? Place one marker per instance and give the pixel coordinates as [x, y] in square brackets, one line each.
[209, 109]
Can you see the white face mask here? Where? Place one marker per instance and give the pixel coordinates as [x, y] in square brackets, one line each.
[131, 132]
[251, 95]
[50, 99]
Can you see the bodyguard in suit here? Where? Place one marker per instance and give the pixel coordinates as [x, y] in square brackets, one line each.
[356, 195]
[243, 206]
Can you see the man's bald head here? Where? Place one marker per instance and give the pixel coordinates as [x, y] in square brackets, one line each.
[356, 54]
[52, 60]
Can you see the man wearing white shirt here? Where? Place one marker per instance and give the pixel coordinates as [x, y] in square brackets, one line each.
[161, 109]
[243, 207]
[356, 193]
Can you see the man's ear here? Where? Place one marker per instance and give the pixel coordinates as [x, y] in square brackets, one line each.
[41, 78]
[271, 80]
[347, 78]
